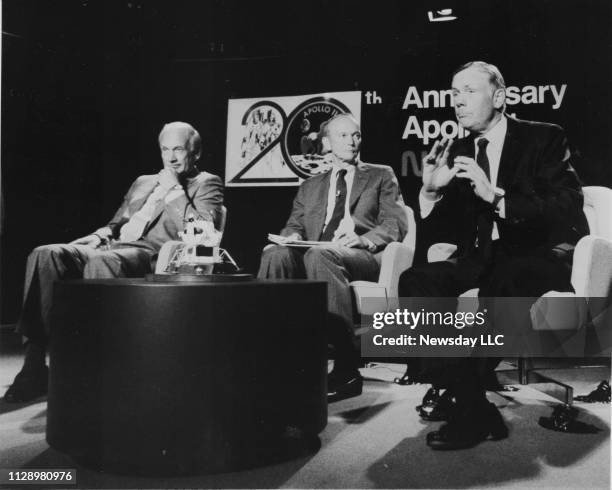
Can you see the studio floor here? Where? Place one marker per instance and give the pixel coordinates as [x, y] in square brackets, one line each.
[373, 441]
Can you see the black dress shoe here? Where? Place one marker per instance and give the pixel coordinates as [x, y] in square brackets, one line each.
[563, 419]
[436, 407]
[342, 386]
[28, 385]
[601, 394]
[463, 433]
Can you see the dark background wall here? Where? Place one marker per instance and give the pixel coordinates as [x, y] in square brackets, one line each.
[87, 85]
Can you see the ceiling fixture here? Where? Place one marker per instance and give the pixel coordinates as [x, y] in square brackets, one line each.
[443, 15]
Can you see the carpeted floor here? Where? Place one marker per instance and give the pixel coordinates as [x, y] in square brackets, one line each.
[372, 441]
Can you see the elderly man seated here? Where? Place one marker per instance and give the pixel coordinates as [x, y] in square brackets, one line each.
[356, 207]
[152, 213]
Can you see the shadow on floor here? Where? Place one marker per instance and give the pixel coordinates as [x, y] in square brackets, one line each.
[411, 464]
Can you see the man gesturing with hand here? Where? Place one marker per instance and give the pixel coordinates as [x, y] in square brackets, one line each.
[509, 195]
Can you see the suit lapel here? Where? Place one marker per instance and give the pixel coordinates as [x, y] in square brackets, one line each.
[319, 197]
[360, 181]
[509, 155]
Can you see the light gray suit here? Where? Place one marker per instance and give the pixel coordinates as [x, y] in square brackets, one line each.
[376, 207]
[49, 263]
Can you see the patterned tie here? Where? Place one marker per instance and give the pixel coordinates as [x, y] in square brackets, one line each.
[338, 214]
[485, 213]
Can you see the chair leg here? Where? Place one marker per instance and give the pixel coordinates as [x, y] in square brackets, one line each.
[522, 371]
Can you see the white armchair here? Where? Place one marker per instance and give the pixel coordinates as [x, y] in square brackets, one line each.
[396, 258]
[591, 278]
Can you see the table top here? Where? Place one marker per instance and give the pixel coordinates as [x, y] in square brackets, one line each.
[141, 282]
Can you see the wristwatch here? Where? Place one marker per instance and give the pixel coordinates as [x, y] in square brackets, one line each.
[499, 195]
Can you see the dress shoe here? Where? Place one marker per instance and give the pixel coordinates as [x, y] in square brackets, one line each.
[343, 385]
[563, 419]
[436, 407]
[601, 394]
[466, 432]
[28, 385]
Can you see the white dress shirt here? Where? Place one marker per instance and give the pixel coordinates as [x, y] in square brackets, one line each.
[134, 228]
[347, 224]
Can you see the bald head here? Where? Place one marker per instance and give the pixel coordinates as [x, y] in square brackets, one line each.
[185, 130]
[180, 146]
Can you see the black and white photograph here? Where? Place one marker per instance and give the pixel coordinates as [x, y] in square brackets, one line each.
[336, 244]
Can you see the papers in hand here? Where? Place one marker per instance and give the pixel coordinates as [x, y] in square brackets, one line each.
[289, 242]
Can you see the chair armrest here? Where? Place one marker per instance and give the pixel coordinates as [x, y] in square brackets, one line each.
[165, 255]
[370, 297]
[382, 295]
[558, 311]
[439, 252]
[592, 267]
[396, 258]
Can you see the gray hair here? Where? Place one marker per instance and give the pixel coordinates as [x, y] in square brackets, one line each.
[495, 77]
[324, 128]
[195, 142]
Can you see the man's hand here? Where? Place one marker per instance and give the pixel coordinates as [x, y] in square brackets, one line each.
[167, 178]
[469, 169]
[93, 241]
[294, 236]
[350, 239]
[436, 173]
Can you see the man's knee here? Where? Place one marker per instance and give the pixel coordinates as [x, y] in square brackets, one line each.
[411, 278]
[102, 266]
[46, 252]
[279, 262]
[277, 254]
[318, 255]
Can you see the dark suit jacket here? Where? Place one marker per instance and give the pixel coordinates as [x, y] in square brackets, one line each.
[376, 206]
[205, 192]
[543, 200]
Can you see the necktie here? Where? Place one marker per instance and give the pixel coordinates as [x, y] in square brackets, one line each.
[485, 213]
[338, 214]
[481, 158]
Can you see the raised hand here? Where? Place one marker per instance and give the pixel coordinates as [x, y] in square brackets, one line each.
[167, 178]
[436, 172]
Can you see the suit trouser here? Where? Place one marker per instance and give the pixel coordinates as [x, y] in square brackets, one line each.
[335, 265]
[505, 275]
[49, 263]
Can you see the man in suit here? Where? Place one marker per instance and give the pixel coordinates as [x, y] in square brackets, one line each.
[153, 212]
[513, 201]
[358, 208]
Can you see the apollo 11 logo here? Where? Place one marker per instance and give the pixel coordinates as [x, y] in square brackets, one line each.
[302, 142]
[267, 147]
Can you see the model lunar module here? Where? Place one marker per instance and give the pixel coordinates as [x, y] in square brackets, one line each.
[198, 251]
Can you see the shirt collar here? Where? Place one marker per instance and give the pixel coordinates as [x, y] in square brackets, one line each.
[337, 166]
[496, 135]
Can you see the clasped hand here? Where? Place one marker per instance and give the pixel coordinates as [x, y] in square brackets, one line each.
[437, 173]
[467, 168]
[167, 178]
[93, 241]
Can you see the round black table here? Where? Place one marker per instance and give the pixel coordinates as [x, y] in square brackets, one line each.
[178, 378]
